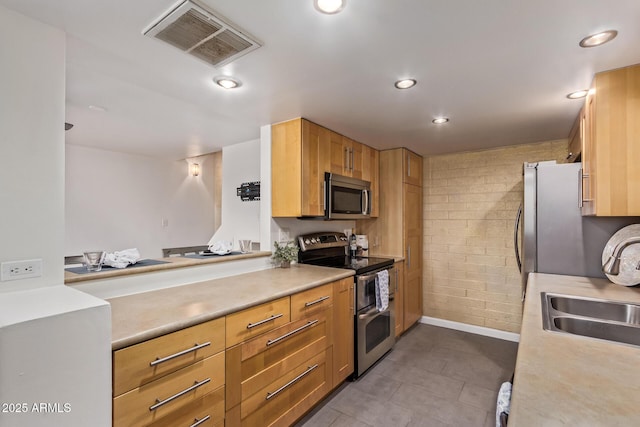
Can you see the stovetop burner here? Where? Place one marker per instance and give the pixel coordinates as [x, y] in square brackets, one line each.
[329, 250]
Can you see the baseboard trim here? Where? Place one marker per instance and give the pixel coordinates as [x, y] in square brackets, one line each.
[479, 330]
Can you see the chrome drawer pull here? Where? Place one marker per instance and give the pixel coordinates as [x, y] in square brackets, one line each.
[293, 381]
[262, 322]
[160, 403]
[195, 347]
[295, 331]
[318, 301]
[198, 422]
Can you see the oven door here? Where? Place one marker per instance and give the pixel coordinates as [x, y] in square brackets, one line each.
[375, 335]
[375, 330]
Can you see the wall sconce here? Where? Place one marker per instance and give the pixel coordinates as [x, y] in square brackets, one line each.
[194, 169]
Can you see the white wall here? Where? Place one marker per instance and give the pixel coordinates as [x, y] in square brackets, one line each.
[116, 201]
[240, 220]
[54, 341]
[32, 91]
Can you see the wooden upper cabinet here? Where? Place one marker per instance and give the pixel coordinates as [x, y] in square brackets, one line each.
[371, 173]
[346, 156]
[299, 159]
[301, 153]
[611, 145]
[412, 168]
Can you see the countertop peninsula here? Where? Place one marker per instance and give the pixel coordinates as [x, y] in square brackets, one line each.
[167, 264]
[568, 380]
[143, 316]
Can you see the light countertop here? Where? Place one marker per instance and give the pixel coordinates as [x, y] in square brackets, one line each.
[567, 380]
[169, 264]
[139, 317]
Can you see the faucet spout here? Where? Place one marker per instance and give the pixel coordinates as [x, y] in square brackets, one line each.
[612, 265]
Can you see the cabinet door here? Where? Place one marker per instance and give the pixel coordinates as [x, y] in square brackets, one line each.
[356, 158]
[371, 173]
[339, 154]
[315, 159]
[399, 298]
[588, 156]
[343, 330]
[412, 167]
[615, 173]
[412, 204]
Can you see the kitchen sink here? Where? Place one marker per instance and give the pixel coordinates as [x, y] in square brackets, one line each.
[615, 321]
[596, 308]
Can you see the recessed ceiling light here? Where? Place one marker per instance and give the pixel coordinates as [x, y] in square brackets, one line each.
[227, 82]
[578, 94]
[597, 39]
[440, 120]
[329, 6]
[405, 83]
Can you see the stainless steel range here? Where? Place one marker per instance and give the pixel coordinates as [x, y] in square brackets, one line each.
[374, 329]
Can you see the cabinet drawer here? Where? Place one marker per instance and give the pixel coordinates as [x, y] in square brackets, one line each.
[142, 363]
[207, 411]
[158, 399]
[305, 303]
[254, 364]
[257, 320]
[289, 396]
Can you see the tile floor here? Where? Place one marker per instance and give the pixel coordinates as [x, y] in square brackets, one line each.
[433, 377]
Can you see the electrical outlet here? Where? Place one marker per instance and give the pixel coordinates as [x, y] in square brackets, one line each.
[14, 270]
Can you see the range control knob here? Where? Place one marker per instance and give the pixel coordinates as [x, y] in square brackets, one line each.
[307, 241]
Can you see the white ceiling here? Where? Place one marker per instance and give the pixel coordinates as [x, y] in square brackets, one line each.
[500, 69]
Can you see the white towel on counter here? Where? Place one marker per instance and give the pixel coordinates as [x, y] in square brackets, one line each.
[121, 259]
[382, 290]
[504, 402]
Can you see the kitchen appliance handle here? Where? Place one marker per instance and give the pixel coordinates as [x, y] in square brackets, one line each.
[408, 165]
[262, 322]
[372, 312]
[200, 421]
[408, 257]
[295, 331]
[290, 383]
[160, 403]
[365, 202]
[515, 238]
[367, 277]
[195, 347]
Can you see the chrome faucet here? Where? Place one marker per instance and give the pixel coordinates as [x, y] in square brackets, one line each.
[612, 266]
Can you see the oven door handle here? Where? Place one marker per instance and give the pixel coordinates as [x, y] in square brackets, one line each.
[371, 313]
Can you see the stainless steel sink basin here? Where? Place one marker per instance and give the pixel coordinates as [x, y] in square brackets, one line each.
[595, 308]
[615, 321]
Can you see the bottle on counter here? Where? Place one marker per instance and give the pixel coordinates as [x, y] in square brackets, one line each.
[353, 246]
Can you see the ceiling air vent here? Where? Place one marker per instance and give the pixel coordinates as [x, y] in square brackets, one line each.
[195, 29]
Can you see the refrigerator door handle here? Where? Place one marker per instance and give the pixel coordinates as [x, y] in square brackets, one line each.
[515, 237]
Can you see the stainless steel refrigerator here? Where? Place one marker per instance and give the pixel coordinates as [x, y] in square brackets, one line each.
[556, 238]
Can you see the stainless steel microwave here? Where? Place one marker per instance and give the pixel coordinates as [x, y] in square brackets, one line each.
[346, 198]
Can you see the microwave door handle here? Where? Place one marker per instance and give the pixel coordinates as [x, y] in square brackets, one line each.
[366, 208]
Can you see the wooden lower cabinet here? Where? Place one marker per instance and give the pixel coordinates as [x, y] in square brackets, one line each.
[343, 330]
[275, 378]
[165, 396]
[280, 359]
